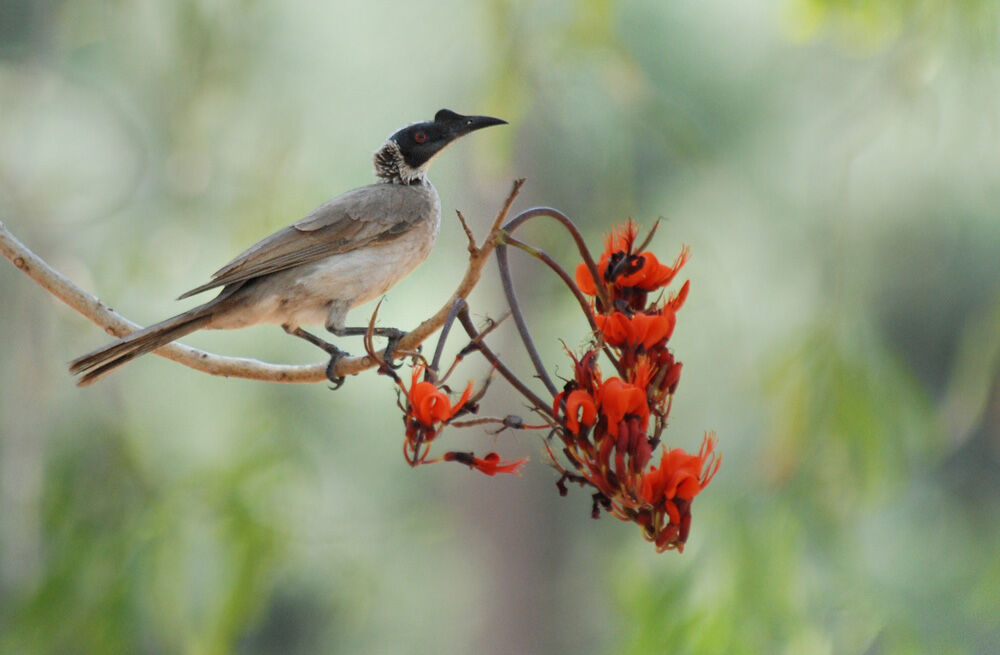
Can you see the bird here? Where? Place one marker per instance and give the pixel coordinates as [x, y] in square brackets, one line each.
[347, 251]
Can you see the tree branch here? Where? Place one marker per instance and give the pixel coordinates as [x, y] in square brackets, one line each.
[91, 307]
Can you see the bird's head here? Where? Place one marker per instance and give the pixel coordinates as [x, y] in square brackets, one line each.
[406, 154]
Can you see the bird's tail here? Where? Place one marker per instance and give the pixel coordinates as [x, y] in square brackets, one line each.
[95, 365]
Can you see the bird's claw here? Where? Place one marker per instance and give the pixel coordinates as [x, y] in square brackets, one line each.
[335, 356]
[392, 340]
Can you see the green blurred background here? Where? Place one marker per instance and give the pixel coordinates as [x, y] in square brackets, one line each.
[833, 165]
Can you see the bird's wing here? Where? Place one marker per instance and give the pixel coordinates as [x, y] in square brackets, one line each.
[358, 218]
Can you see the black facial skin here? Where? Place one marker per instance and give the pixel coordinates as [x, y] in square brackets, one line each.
[421, 141]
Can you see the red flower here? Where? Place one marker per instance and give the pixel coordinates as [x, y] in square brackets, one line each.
[585, 280]
[681, 475]
[659, 374]
[642, 373]
[622, 237]
[649, 273]
[577, 399]
[630, 275]
[586, 376]
[646, 330]
[428, 404]
[580, 409]
[670, 489]
[619, 399]
[490, 465]
[427, 410]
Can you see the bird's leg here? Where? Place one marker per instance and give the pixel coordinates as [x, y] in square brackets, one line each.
[335, 353]
[335, 325]
[392, 335]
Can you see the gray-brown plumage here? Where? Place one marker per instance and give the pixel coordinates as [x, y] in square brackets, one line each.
[346, 252]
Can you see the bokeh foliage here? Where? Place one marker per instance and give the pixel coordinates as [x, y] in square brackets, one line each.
[832, 165]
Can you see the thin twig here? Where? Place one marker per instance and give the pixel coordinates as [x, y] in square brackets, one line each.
[445, 329]
[649, 237]
[501, 215]
[505, 422]
[508, 285]
[468, 233]
[501, 368]
[473, 345]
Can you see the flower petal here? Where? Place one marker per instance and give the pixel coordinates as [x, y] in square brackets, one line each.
[431, 405]
[585, 280]
[580, 408]
[460, 404]
[491, 465]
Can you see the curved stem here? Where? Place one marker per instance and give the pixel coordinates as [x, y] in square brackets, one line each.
[522, 327]
[571, 284]
[546, 259]
[581, 245]
[456, 307]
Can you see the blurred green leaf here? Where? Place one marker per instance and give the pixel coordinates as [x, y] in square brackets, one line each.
[974, 374]
[120, 568]
[848, 418]
[865, 26]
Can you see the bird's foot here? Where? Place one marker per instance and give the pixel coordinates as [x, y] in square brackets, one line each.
[392, 336]
[336, 354]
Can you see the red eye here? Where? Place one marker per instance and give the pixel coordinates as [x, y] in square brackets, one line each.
[420, 137]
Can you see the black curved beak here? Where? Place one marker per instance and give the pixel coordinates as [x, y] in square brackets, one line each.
[473, 123]
[457, 125]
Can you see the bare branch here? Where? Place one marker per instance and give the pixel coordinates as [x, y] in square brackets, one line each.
[91, 307]
[494, 236]
[513, 422]
[468, 233]
[470, 329]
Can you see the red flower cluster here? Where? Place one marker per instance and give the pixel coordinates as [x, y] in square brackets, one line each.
[607, 422]
[426, 412]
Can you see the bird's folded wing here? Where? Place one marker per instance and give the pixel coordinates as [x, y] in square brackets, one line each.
[358, 218]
